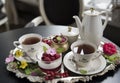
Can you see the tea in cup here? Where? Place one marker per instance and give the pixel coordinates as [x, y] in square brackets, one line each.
[29, 43]
[84, 52]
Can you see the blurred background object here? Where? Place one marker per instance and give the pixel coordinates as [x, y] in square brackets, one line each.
[21, 12]
[98, 4]
[116, 13]
[59, 12]
[3, 16]
[112, 30]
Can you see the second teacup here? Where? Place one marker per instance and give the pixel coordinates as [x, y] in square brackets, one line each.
[84, 52]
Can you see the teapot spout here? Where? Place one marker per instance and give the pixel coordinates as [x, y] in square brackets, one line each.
[78, 22]
[79, 25]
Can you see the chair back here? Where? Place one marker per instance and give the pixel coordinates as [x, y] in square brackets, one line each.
[60, 12]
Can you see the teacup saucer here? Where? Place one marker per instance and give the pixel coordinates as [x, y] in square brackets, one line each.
[95, 66]
[28, 58]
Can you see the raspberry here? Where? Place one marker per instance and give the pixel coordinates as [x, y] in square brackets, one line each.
[47, 41]
[46, 78]
[45, 54]
[43, 58]
[63, 39]
[46, 59]
[57, 56]
[52, 58]
[50, 75]
[59, 39]
[109, 49]
[65, 74]
[50, 55]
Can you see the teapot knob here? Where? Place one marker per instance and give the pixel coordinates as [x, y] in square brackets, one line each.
[92, 9]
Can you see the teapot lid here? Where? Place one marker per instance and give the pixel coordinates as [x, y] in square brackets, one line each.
[92, 12]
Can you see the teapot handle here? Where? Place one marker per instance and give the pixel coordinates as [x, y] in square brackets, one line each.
[106, 21]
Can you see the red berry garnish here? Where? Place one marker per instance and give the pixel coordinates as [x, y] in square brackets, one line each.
[52, 58]
[46, 59]
[46, 78]
[57, 56]
[49, 75]
[45, 54]
[59, 39]
[50, 55]
[65, 74]
[63, 39]
[47, 41]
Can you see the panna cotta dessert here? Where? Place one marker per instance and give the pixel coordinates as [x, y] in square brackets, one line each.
[50, 60]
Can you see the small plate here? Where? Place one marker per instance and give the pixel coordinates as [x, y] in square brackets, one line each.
[27, 58]
[95, 66]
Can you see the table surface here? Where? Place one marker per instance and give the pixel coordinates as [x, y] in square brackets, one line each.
[6, 44]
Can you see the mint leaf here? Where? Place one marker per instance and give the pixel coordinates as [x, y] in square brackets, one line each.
[37, 72]
[112, 58]
[44, 48]
[60, 50]
[83, 71]
[59, 38]
[27, 71]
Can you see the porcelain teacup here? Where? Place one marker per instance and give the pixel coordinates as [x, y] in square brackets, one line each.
[29, 43]
[84, 52]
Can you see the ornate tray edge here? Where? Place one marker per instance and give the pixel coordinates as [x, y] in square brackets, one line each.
[66, 80]
[22, 75]
[87, 78]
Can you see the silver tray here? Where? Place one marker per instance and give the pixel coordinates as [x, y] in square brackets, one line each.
[69, 79]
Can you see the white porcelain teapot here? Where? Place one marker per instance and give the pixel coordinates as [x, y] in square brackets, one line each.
[91, 28]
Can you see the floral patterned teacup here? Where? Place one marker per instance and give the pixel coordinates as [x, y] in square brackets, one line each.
[29, 43]
[84, 52]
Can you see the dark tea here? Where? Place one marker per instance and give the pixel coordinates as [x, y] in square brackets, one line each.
[31, 40]
[87, 49]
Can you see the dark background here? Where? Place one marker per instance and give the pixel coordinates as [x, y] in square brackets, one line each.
[27, 12]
